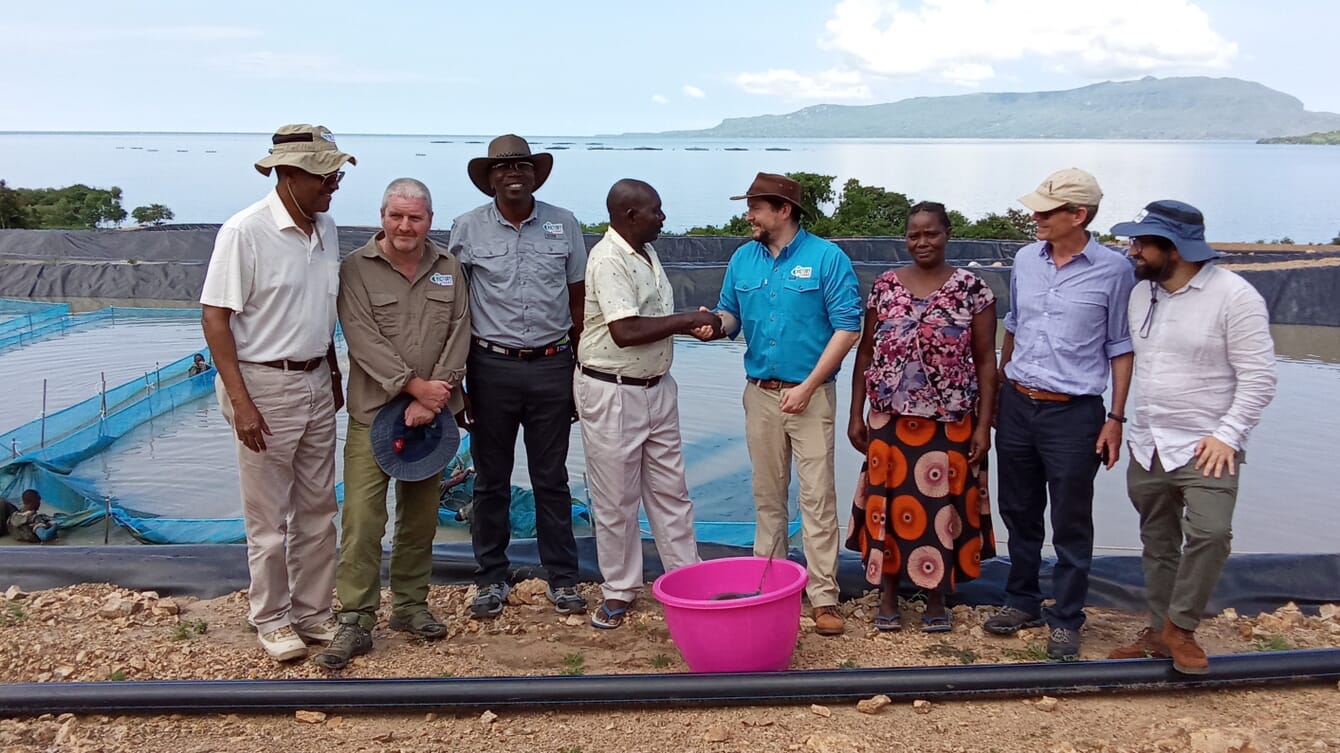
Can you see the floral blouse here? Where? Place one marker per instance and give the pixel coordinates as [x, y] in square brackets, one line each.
[923, 363]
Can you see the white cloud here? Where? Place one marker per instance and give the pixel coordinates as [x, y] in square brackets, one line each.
[692, 91]
[828, 85]
[961, 41]
[660, 100]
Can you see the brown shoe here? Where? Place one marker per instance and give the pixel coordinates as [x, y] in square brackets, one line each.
[1188, 657]
[1148, 645]
[827, 621]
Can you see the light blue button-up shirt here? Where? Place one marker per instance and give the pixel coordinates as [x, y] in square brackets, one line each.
[790, 306]
[1068, 323]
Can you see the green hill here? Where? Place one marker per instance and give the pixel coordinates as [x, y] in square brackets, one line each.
[1328, 137]
[1150, 108]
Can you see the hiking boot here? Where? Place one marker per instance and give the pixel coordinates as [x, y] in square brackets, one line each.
[1187, 655]
[421, 623]
[283, 644]
[1148, 645]
[1063, 645]
[1009, 621]
[351, 640]
[828, 621]
[489, 601]
[566, 600]
[322, 633]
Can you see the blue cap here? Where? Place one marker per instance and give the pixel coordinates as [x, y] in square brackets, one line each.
[1176, 221]
[412, 453]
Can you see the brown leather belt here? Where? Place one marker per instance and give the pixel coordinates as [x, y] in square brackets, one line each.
[525, 354]
[1043, 395]
[605, 376]
[772, 385]
[286, 365]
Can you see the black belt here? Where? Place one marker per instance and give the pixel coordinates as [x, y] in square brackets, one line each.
[772, 385]
[616, 379]
[287, 365]
[525, 354]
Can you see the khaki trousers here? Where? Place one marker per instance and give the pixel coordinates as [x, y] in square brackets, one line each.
[1186, 525]
[634, 453]
[363, 524]
[288, 496]
[774, 438]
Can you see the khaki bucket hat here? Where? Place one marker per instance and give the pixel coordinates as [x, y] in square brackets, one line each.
[306, 147]
[509, 147]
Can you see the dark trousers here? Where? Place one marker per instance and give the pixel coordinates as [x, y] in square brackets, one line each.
[1047, 449]
[507, 394]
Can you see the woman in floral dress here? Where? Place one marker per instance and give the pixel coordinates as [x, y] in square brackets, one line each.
[927, 365]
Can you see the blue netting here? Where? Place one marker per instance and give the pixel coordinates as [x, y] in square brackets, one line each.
[67, 322]
[22, 316]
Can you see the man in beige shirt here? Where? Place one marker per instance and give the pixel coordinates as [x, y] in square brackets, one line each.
[406, 317]
[629, 403]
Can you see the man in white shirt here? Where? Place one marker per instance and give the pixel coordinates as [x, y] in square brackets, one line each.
[269, 317]
[629, 403]
[1204, 372]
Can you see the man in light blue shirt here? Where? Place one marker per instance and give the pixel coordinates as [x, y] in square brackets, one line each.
[796, 299]
[1066, 331]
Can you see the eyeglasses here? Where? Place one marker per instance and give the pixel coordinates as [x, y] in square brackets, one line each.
[522, 165]
[331, 179]
[1148, 326]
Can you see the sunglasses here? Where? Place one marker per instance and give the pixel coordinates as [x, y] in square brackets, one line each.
[330, 180]
[522, 165]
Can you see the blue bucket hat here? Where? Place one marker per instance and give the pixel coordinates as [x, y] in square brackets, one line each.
[412, 453]
[1180, 223]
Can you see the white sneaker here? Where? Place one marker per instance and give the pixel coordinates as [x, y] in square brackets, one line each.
[283, 644]
[321, 633]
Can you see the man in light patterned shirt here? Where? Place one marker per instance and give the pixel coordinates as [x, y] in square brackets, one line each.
[629, 403]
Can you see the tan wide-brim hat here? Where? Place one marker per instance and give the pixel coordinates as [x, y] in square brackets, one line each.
[1069, 186]
[506, 148]
[775, 186]
[306, 147]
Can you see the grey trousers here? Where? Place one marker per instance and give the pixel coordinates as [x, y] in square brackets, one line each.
[1186, 525]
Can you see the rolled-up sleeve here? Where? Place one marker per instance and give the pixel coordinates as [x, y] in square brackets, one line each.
[842, 294]
[1118, 342]
[374, 353]
[1251, 354]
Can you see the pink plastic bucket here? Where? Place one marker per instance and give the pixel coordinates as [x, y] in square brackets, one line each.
[757, 634]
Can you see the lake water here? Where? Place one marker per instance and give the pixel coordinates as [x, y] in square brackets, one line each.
[206, 177]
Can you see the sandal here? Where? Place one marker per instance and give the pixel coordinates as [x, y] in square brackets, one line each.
[606, 618]
[888, 623]
[421, 623]
[938, 624]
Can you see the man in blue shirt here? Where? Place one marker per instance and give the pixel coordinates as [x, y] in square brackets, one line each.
[796, 299]
[1066, 331]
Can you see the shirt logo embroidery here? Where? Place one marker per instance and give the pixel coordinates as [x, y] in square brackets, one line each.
[553, 231]
[328, 137]
[440, 279]
[802, 273]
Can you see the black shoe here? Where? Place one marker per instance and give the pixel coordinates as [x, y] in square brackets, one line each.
[1009, 621]
[350, 640]
[566, 600]
[489, 602]
[1063, 645]
[421, 623]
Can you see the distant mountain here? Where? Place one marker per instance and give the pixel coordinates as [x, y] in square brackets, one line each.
[1150, 108]
[1329, 138]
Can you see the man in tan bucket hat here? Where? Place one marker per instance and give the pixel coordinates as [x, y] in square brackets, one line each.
[269, 317]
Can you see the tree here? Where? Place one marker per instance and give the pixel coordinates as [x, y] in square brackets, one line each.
[153, 214]
[866, 211]
[76, 207]
[13, 212]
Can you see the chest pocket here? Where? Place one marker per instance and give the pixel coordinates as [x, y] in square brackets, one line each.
[494, 263]
[441, 300]
[549, 261]
[803, 299]
[385, 313]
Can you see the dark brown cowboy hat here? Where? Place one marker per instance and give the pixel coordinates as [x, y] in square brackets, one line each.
[505, 148]
[775, 186]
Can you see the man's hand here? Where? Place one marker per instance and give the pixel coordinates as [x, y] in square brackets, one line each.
[1213, 456]
[711, 327]
[796, 399]
[250, 425]
[337, 390]
[1109, 443]
[858, 434]
[418, 414]
[980, 444]
[433, 393]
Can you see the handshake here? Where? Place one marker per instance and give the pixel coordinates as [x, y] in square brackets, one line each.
[706, 325]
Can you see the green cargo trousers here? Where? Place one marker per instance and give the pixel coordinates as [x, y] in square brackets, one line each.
[363, 524]
[1186, 525]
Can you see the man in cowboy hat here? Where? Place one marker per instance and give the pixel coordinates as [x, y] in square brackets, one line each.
[269, 318]
[405, 314]
[526, 261]
[796, 299]
[1204, 372]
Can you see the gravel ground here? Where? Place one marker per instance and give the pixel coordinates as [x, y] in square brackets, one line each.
[99, 632]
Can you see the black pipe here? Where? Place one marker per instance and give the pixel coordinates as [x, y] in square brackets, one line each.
[931, 683]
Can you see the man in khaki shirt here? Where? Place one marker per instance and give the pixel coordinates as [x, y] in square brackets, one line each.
[405, 311]
[629, 403]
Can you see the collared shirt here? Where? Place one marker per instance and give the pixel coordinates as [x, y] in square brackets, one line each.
[1206, 368]
[1068, 323]
[790, 306]
[279, 282]
[397, 328]
[621, 284]
[23, 523]
[519, 278]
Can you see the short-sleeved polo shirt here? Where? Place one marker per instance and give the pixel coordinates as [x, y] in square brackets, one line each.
[620, 283]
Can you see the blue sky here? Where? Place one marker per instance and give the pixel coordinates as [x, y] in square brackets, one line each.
[582, 68]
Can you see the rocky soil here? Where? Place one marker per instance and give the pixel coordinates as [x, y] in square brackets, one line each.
[100, 632]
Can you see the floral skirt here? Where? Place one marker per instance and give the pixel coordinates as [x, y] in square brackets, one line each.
[920, 512]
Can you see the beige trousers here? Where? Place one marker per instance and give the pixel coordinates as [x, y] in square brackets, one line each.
[634, 453]
[774, 438]
[288, 496]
